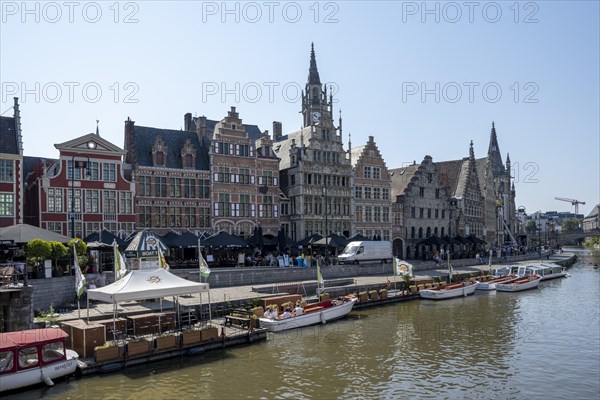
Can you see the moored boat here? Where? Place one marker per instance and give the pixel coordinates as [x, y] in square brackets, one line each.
[34, 356]
[547, 270]
[317, 313]
[519, 284]
[449, 291]
[491, 283]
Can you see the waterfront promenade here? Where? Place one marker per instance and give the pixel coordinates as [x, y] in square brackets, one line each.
[243, 293]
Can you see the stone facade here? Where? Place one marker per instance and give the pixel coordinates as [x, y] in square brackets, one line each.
[315, 170]
[421, 208]
[372, 187]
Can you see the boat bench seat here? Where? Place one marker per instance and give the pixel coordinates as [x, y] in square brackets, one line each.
[312, 309]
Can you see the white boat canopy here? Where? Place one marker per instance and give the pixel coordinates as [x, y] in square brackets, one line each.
[146, 284]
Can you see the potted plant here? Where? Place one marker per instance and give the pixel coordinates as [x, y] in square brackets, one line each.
[36, 252]
[109, 351]
[383, 293]
[58, 250]
[363, 296]
[81, 248]
[373, 295]
[138, 346]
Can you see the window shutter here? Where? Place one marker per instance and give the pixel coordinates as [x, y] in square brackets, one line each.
[231, 149]
[216, 209]
[252, 179]
[260, 180]
[216, 177]
[251, 151]
[216, 148]
[275, 181]
[260, 211]
[275, 211]
[232, 178]
[253, 210]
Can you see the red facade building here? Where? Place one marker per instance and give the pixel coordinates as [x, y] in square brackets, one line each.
[88, 198]
[11, 169]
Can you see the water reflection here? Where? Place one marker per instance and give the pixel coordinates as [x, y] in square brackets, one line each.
[540, 343]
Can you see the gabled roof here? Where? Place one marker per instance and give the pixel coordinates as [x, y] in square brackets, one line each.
[594, 213]
[101, 145]
[9, 140]
[30, 164]
[283, 145]
[355, 154]
[450, 174]
[401, 177]
[145, 137]
[253, 131]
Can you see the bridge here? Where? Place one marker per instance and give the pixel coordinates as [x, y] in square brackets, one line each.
[575, 237]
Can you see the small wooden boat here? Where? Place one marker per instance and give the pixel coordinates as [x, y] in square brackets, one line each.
[449, 291]
[491, 283]
[519, 284]
[316, 313]
[34, 356]
[547, 270]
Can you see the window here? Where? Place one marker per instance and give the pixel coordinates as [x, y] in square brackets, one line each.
[421, 192]
[144, 185]
[437, 193]
[160, 186]
[188, 161]
[412, 232]
[385, 193]
[126, 203]
[413, 212]
[359, 214]
[160, 158]
[376, 173]
[160, 216]
[6, 360]
[76, 199]
[429, 213]
[377, 214]
[145, 216]
[367, 192]
[268, 179]
[429, 177]
[94, 168]
[52, 351]
[91, 227]
[222, 207]
[174, 187]
[242, 150]
[420, 233]
[367, 172]
[358, 192]
[28, 357]
[7, 204]
[175, 217]
[421, 212]
[7, 171]
[54, 227]
[223, 175]
[267, 209]
[189, 217]
[244, 176]
[443, 214]
[189, 188]
[109, 202]
[109, 172]
[245, 205]
[204, 217]
[386, 215]
[80, 166]
[368, 214]
[203, 188]
[92, 201]
[376, 193]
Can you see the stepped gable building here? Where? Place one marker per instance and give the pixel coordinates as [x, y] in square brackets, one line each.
[86, 182]
[11, 169]
[421, 209]
[591, 223]
[315, 171]
[461, 181]
[372, 186]
[207, 177]
[499, 194]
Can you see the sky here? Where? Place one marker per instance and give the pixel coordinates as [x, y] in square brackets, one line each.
[423, 78]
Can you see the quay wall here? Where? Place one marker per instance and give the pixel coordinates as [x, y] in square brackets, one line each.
[53, 292]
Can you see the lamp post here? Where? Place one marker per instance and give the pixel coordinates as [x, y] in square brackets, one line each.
[326, 222]
[80, 164]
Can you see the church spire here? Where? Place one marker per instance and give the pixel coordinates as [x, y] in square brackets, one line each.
[313, 72]
[471, 151]
[494, 156]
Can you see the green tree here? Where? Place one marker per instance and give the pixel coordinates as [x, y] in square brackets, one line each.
[531, 227]
[59, 250]
[37, 251]
[571, 224]
[80, 245]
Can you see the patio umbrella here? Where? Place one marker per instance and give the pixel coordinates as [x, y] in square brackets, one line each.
[224, 239]
[105, 237]
[24, 233]
[310, 239]
[185, 240]
[332, 240]
[169, 237]
[358, 238]
[145, 244]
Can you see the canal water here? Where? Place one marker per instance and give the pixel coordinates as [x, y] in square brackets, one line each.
[543, 343]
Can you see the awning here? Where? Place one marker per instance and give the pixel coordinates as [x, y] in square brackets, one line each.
[24, 233]
[145, 244]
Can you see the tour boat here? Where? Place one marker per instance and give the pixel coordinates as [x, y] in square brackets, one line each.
[33, 356]
[547, 270]
[317, 313]
[519, 284]
[449, 291]
[491, 283]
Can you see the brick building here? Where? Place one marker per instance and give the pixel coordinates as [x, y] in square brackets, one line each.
[11, 169]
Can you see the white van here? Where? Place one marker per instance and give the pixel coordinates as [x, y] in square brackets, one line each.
[366, 252]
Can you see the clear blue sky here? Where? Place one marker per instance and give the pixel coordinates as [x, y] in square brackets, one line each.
[387, 62]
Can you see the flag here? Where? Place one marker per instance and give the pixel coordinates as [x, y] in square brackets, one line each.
[120, 264]
[79, 277]
[396, 269]
[162, 263]
[403, 268]
[320, 281]
[204, 270]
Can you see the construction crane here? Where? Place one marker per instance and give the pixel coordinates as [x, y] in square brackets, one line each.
[573, 202]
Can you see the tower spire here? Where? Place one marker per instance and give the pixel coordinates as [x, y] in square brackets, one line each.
[313, 72]
[97, 128]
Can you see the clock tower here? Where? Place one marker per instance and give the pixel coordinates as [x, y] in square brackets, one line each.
[316, 109]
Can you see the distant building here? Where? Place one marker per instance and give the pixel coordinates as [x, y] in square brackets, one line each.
[11, 169]
[85, 186]
[592, 221]
[316, 174]
[372, 186]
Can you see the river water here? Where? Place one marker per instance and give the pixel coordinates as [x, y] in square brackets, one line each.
[538, 344]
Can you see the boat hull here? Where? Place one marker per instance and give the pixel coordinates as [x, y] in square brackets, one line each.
[34, 376]
[491, 284]
[518, 285]
[319, 317]
[443, 294]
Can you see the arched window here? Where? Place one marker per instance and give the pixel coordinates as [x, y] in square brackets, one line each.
[428, 232]
[420, 233]
[160, 158]
[435, 231]
[442, 232]
[188, 161]
[412, 232]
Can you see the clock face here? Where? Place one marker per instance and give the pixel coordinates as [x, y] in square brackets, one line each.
[316, 116]
[91, 145]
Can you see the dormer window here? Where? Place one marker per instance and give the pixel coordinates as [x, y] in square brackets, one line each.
[188, 155]
[160, 158]
[188, 161]
[159, 153]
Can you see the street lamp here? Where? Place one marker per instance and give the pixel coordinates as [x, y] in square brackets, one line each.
[80, 165]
